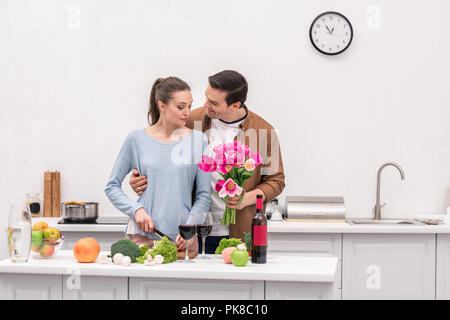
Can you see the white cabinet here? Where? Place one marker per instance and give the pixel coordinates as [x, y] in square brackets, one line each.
[95, 288]
[181, 289]
[443, 267]
[278, 290]
[388, 266]
[310, 244]
[30, 287]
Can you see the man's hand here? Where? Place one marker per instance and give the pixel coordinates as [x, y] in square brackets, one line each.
[138, 183]
[143, 221]
[181, 243]
[249, 199]
[232, 202]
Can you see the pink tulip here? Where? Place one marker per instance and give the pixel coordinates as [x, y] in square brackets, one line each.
[219, 185]
[246, 150]
[220, 149]
[224, 168]
[230, 188]
[250, 165]
[235, 146]
[207, 164]
[256, 157]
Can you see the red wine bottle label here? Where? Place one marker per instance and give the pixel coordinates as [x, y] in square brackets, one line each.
[259, 203]
[260, 235]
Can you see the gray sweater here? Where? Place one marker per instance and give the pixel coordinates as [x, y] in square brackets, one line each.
[171, 170]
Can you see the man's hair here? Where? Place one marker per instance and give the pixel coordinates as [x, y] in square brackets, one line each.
[233, 83]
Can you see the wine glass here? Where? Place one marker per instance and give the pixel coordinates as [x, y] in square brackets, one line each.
[187, 227]
[203, 230]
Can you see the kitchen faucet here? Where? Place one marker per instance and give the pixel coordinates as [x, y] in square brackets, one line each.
[377, 208]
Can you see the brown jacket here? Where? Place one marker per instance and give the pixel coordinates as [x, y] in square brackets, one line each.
[260, 136]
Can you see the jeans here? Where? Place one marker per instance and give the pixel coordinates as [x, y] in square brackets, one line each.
[211, 243]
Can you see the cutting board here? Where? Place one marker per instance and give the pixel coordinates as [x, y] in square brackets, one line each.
[181, 254]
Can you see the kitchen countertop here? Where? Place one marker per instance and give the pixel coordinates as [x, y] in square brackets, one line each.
[343, 227]
[274, 227]
[278, 268]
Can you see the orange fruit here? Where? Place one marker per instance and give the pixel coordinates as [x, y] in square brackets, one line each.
[86, 250]
[40, 226]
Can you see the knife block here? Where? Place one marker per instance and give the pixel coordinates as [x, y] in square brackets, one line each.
[52, 194]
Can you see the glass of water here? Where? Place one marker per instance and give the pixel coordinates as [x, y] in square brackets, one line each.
[19, 233]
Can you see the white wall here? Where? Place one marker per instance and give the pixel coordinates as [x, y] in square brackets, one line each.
[71, 89]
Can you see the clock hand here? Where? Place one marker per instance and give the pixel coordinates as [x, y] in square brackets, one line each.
[332, 30]
[328, 29]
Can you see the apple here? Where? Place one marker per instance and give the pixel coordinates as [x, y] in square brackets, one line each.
[226, 254]
[239, 257]
[47, 250]
[36, 240]
[41, 225]
[52, 234]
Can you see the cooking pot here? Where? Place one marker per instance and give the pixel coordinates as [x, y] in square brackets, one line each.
[82, 212]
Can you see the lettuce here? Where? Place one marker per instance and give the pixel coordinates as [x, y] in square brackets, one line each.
[163, 247]
[226, 243]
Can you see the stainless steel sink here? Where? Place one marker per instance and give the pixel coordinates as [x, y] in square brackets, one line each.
[408, 222]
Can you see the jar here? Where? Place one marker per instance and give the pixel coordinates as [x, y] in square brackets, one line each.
[34, 204]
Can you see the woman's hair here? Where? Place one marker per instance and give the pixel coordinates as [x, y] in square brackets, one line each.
[163, 90]
[233, 83]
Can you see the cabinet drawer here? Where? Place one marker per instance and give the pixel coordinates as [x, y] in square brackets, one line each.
[30, 287]
[95, 288]
[306, 243]
[277, 290]
[181, 289]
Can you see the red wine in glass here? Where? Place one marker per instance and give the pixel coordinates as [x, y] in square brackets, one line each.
[187, 231]
[187, 227]
[204, 228]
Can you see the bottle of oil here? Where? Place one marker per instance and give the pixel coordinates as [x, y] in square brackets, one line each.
[34, 204]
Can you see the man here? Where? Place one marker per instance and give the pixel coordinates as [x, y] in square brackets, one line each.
[225, 118]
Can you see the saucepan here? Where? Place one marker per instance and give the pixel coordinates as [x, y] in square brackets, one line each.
[79, 211]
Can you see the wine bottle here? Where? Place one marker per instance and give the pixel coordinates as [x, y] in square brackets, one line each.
[259, 233]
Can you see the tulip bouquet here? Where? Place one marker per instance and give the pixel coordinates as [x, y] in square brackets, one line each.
[235, 165]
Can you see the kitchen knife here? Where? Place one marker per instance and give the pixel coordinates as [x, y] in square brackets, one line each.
[161, 235]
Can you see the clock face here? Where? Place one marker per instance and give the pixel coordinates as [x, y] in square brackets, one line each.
[331, 33]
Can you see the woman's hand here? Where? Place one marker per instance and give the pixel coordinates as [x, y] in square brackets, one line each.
[181, 243]
[138, 183]
[144, 221]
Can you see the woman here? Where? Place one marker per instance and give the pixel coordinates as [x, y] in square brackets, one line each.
[166, 153]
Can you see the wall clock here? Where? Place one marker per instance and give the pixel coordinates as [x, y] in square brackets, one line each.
[331, 33]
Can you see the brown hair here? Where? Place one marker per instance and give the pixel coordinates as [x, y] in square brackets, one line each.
[233, 83]
[162, 90]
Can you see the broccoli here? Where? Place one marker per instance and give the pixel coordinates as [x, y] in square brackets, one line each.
[226, 243]
[127, 248]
